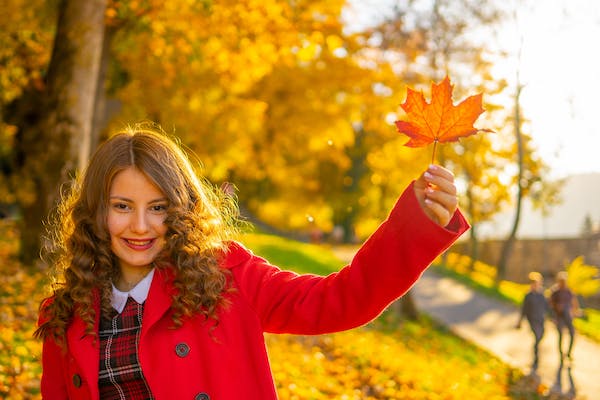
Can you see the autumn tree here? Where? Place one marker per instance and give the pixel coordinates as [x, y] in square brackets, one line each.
[587, 227]
[275, 97]
[24, 42]
[426, 41]
[429, 41]
[530, 179]
[52, 119]
[284, 128]
[178, 63]
[327, 119]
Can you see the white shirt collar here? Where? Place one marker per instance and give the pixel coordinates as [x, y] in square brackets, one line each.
[139, 293]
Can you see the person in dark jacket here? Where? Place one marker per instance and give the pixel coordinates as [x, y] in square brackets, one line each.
[564, 306]
[535, 308]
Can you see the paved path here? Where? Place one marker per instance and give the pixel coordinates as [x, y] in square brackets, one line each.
[490, 324]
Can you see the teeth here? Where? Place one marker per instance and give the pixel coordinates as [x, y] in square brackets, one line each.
[138, 242]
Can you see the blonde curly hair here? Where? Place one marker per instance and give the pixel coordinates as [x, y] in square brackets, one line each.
[200, 221]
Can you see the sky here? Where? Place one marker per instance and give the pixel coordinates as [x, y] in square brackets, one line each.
[560, 68]
[561, 71]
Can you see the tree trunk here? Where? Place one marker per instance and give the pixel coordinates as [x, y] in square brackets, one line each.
[408, 308]
[101, 113]
[508, 244]
[474, 248]
[473, 240]
[51, 146]
[356, 172]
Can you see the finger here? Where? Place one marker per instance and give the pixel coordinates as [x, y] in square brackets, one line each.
[422, 182]
[439, 171]
[437, 212]
[441, 179]
[442, 212]
[448, 200]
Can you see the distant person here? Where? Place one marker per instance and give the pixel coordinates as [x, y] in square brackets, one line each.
[154, 298]
[564, 307]
[535, 308]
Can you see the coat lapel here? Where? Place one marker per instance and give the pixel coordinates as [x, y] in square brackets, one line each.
[159, 300]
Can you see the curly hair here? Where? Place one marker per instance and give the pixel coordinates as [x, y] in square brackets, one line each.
[200, 221]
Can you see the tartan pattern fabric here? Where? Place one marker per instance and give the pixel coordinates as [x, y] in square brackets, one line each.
[121, 376]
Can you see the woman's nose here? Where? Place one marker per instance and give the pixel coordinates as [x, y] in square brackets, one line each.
[139, 223]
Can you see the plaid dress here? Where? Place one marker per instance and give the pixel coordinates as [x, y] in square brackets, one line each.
[121, 376]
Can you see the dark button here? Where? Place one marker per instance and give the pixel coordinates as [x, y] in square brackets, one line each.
[76, 380]
[202, 396]
[182, 350]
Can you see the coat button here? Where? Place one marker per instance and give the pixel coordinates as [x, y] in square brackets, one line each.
[182, 350]
[77, 381]
[202, 396]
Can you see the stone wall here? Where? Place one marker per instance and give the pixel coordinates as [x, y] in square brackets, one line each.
[547, 256]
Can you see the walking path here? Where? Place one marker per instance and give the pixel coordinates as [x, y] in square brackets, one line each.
[490, 324]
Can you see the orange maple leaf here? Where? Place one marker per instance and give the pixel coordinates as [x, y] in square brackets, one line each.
[438, 121]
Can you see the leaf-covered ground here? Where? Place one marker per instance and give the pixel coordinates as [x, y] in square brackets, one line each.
[388, 359]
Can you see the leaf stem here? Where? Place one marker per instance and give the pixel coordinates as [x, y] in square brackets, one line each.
[435, 142]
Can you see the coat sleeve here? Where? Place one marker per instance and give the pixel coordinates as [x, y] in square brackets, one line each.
[53, 384]
[384, 268]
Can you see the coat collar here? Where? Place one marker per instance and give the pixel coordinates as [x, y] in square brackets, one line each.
[161, 290]
[235, 254]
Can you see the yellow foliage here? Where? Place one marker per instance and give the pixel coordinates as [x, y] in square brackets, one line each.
[19, 352]
[334, 42]
[583, 279]
[216, 63]
[369, 364]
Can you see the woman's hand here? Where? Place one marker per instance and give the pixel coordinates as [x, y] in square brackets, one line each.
[436, 194]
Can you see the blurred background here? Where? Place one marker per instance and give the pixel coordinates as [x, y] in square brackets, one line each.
[292, 104]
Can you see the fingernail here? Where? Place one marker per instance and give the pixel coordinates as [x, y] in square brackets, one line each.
[428, 175]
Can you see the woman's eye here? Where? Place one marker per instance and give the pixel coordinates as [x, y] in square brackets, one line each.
[120, 206]
[159, 208]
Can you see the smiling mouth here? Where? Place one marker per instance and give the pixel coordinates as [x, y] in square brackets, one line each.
[139, 244]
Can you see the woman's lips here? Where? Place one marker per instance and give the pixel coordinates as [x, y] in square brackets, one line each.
[139, 244]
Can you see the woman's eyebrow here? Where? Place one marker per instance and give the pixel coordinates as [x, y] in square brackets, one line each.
[123, 198]
[120, 198]
[161, 200]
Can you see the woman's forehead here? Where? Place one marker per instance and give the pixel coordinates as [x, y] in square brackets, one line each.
[133, 183]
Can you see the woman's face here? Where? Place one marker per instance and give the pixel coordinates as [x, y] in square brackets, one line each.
[136, 220]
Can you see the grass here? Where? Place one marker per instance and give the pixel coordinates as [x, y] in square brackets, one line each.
[288, 254]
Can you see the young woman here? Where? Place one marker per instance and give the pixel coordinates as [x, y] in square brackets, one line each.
[155, 300]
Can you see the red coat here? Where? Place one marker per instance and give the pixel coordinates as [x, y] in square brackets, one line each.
[230, 362]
